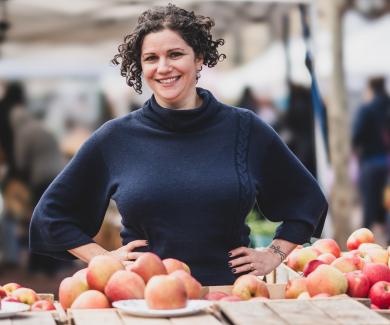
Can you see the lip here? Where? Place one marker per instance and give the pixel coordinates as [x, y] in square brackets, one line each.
[172, 77]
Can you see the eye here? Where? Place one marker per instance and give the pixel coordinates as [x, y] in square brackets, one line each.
[175, 54]
[150, 58]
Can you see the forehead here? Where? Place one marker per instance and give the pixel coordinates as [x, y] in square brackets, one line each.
[163, 40]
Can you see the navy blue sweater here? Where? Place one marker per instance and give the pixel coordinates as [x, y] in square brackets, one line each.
[184, 180]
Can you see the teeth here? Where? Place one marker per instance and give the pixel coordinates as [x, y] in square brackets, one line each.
[167, 81]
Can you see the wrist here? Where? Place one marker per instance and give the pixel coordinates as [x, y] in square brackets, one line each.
[277, 252]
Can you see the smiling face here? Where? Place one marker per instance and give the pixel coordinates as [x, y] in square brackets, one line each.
[169, 67]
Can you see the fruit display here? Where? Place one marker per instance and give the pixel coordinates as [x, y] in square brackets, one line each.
[14, 292]
[361, 272]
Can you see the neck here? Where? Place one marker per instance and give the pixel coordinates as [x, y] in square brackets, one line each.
[190, 102]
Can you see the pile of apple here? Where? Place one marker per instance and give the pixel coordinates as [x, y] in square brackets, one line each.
[363, 271]
[14, 292]
[164, 284]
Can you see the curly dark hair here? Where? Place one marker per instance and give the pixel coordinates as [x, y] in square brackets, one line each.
[194, 29]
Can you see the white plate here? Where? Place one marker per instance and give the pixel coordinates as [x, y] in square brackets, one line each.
[138, 307]
[9, 309]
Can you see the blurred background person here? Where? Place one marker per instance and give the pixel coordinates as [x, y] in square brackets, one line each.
[370, 139]
[33, 159]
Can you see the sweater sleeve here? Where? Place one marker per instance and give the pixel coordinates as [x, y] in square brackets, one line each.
[289, 194]
[71, 211]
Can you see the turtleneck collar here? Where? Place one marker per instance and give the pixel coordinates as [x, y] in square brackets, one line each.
[182, 119]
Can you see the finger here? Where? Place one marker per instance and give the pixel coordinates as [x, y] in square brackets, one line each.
[239, 261]
[239, 251]
[133, 255]
[244, 268]
[136, 243]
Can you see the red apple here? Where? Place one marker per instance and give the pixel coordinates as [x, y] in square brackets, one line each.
[100, 269]
[298, 258]
[193, 287]
[327, 258]
[326, 279]
[358, 284]
[42, 305]
[3, 293]
[380, 294]
[91, 299]
[328, 245]
[248, 286]
[10, 299]
[215, 295]
[172, 265]
[358, 237]
[125, 285]
[165, 292]
[9, 287]
[376, 272]
[148, 265]
[348, 264]
[232, 298]
[295, 287]
[25, 295]
[311, 266]
[70, 288]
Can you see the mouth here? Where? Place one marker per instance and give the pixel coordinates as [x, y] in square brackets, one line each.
[168, 81]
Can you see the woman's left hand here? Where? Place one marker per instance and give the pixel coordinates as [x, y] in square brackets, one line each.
[257, 262]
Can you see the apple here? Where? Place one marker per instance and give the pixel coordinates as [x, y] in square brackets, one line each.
[25, 295]
[298, 258]
[125, 285]
[233, 298]
[358, 284]
[165, 292]
[295, 287]
[42, 305]
[311, 266]
[10, 299]
[70, 288]
[215, 295]
[248, 286]
[327, 245]
[91, 299]
[172, 264]
[376, 272]
[9, 287]
[378, 255]
[365, 247]
[358, 237]
[100, 269]
[380, 294]
[348, 264]
[303, 295]
[3, 293]
[82, 275]
[193, 287]
[321, 295]
[326, 279]
[327, 258]
[148, 265]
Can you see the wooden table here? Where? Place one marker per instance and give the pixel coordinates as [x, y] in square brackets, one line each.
[273, 312]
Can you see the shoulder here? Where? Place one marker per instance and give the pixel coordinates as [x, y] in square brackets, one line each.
[114, 127]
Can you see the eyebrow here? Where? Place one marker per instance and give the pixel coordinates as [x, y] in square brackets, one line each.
[170, 50]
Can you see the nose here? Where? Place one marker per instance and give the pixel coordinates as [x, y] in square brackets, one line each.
[163, 66]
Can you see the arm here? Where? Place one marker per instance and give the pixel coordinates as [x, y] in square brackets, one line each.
[260, 262]
[124, 253]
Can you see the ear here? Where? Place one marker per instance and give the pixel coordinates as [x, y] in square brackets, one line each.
[199, 61]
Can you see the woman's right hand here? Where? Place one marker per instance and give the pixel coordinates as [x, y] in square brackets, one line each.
[126, 254]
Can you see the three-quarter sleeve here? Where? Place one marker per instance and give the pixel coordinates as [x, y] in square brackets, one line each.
[71, 211]
[290, 194]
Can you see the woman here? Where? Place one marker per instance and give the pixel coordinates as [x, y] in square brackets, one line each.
[184, 170]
